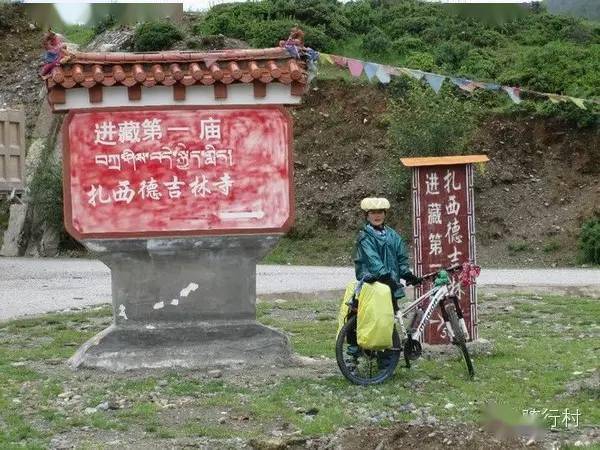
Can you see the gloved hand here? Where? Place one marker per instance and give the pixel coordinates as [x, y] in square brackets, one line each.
[369, 278]
[387, 279]
[411, 278]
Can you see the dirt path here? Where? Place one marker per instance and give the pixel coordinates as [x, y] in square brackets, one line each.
[36, 286]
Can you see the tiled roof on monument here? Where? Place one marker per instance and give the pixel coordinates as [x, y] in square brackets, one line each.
[178, 69]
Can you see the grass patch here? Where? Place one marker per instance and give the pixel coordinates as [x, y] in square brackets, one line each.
[321, 249]
[78, 34]
[518, 247]
[551, 247]
[542, 346]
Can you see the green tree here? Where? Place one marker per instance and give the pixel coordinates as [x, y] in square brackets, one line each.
[155, 36]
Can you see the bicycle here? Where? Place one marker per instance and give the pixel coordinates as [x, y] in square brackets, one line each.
[372, 367]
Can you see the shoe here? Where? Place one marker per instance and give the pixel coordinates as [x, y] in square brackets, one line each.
[353, 350]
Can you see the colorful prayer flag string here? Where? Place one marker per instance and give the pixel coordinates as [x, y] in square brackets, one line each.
[384, 72]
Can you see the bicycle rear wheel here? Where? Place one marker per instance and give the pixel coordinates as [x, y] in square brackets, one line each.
[460, 339]
[366, 366]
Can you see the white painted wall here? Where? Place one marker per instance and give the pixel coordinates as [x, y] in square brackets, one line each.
[237, 94]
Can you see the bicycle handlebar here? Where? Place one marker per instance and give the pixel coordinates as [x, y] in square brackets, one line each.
[452, 268]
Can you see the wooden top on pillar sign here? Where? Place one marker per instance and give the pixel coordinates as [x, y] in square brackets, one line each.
[443, 160]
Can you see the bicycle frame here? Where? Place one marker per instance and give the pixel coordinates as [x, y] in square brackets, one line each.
[437, 293]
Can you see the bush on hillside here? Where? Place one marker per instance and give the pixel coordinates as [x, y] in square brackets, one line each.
[557, 66]
[478, 65]
[425, 124]
[589, 241]
[105, 23]
[376, 42]
[46, 192]
[450, 55]
[155, 36]
[405, 44]
[534, 50]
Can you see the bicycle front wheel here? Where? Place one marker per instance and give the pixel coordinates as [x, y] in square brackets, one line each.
[366, 366]
[460, 339]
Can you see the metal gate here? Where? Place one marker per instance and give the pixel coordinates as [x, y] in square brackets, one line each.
[12, 151]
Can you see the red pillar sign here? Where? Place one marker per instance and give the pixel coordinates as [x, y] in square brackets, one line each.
[157, 172]
[444, 228]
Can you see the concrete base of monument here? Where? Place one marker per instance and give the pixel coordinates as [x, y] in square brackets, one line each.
[194, 346]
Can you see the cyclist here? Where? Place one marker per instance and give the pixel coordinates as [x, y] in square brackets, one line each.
[380, 255]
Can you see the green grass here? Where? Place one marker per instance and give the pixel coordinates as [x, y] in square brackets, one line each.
[551, 247]
[78, 34]
[334, 248]
[518, 247]
[540, 347]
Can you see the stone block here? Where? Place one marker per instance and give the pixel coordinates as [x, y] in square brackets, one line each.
[11, 245]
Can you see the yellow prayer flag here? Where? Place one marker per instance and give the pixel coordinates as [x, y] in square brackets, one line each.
[578, 102]
[554, 99]
[324, 57]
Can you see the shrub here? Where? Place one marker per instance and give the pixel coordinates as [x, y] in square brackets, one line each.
[478, 65]
[425, 124]
[362, 16]
[551, 247]
[589, 241]
[376, 42]
[155, 36]
[411, 25]
[451, 54]
[105, 23]
[406, 44]
[46, 194]
[518, 247]
[421, 60]
[557, 66]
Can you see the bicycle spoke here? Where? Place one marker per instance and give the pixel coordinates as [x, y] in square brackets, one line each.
[366, 366]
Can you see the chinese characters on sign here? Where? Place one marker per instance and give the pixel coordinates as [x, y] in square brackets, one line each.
[152, 172]
[443, 234]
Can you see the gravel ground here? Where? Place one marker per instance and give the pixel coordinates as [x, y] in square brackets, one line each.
[35, 286]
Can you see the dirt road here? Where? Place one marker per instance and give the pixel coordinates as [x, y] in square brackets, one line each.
[35, 286]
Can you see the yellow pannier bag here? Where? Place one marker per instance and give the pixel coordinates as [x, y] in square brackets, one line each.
[344, 308]
[375, 321]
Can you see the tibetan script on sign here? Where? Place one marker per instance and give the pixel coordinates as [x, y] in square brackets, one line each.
[156, 172]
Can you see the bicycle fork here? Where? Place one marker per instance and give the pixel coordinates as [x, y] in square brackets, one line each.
[461, 319]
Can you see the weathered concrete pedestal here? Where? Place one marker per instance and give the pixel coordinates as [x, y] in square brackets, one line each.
[183, 302]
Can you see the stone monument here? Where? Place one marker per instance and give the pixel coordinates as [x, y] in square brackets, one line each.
[178, 174]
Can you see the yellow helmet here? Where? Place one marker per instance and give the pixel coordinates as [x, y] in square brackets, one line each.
[370, 203]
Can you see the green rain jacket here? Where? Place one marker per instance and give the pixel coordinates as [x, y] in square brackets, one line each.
[381, 254]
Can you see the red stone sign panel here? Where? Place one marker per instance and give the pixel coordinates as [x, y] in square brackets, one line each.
[444, 234]
[166, 172]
